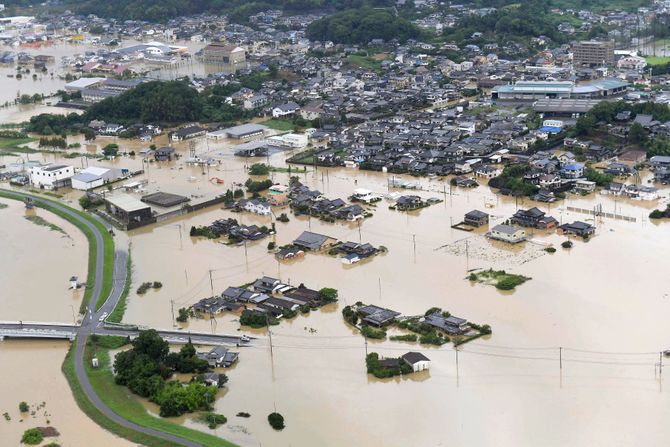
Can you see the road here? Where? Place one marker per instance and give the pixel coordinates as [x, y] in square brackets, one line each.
[91, 317]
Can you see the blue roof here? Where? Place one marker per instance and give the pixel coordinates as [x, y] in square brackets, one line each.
[550, 129]
[573, 167]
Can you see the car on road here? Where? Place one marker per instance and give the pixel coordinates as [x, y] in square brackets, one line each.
[102, 317]
[245, 339]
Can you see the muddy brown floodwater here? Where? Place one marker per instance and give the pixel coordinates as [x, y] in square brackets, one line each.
[31, 373]
[604, 302]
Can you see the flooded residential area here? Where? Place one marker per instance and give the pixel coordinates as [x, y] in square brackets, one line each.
[226, 232]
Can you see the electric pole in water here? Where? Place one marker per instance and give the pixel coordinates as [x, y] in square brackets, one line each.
[414, 244]
[560, 358]
[359, 231]
[211, 282]
[172, 308]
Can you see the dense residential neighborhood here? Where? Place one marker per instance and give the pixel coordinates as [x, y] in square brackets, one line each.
[225, 206]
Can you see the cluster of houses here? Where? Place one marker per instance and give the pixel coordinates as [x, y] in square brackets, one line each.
[513, 231]
[304, 200]
[379, 317]
[236, 231]
[266, 296]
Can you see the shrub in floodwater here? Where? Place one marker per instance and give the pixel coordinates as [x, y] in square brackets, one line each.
[276, 421]
[32, 436]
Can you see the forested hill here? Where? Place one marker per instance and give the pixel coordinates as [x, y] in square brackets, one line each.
[240, 10]
[360, 26]
[164, 10]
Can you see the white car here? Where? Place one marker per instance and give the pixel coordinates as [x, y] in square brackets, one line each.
[245, 339]
[102, 317]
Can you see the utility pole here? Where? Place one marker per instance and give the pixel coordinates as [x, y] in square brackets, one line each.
[560, 358]
[181, 238]
[467, 255]
[74, 321]
[211, 282]
[172, 307]
[660, 364]
[267, 321]
[414, 244]
[456, 349]
[359, 231]
[380, 288]
[366, 346]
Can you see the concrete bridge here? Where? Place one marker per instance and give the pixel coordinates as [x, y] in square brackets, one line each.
[28, 330]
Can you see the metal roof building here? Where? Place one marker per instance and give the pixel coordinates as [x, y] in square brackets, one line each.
[532, 90]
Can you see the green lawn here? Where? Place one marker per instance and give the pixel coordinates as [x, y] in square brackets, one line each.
[657, 60]
[117, 314]
[14, 142]
[120, 400]
[281, 125]
[367, 62]
[10, 146]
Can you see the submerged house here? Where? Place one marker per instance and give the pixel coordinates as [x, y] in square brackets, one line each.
[578, 228]
[476, 218]
[507, 233]
[451, 325]
[533, 217]
[313, 241]
[416, 360]
[377, 316]
[219, 356]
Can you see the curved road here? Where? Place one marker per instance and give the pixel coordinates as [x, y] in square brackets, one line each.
[91, 319]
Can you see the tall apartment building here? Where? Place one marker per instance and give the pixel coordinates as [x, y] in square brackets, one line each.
[593, 53]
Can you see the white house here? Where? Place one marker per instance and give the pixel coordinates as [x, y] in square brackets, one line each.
[288, 109]
[365, 195]
[258, 207]
[93, 177]
[51, 176]
[292, 140]
[416, 360]
[507, 233]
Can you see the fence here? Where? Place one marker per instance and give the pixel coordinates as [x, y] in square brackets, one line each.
[598, 212]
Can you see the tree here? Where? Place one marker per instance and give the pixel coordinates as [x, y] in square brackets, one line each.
[637, 134]
[89, 134]
[276, 421]
[150, 343]
[183, 315]
[85, 202]
[23, 407]
[259, 169]
[328, 294]
[32, 436]
[110, 150]
[584, 124]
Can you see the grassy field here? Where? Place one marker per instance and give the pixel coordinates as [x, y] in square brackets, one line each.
[108, 269]
[280, 125]
[657, 60]
[120, 400]
[11, 146]
[37, 220]
[117, 314]
[371, 63]
[288, 170]
[498, 278]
